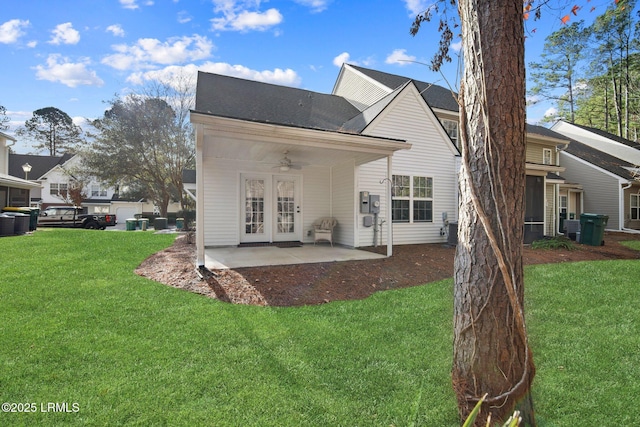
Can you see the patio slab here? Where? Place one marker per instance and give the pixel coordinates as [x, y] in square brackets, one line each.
[226, 258]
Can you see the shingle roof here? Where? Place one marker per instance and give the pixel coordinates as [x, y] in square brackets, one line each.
[436, 96]
[40, 165]
[268, 103]
[600, 159]
[632, 144]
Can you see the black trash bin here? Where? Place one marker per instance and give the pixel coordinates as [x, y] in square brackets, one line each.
[7, 224]
[21, 222]
[452, 239]
[160, 223]
[32, 212]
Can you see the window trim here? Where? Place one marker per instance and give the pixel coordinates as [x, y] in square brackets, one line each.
[409, 195]
[548, 151]
[635, 208]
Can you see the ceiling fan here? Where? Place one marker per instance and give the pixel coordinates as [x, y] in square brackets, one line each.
[286, 163]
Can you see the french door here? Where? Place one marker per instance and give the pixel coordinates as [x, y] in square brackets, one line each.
[270, 208]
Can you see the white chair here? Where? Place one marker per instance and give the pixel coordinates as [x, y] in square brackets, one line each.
[323, 229]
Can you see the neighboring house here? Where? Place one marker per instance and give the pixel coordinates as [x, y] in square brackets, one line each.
[14, 190]
[55, 174]
[272, 160]
[607, 167]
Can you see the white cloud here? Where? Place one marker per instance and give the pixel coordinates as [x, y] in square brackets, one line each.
[551, 112]
[116, 30]
[58, 69]
[65, 34]
[341, 59]
[129, 4]
[399, 56]
[133, 4]
[12, 30]
[33, 43]
[146, 53]
[416, 7]
[242, 15]
[245, 21]
[315, 5]
[279, 76]
[184, 17]
[456, 46]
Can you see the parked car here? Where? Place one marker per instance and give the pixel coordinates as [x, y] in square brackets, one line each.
[69, 216]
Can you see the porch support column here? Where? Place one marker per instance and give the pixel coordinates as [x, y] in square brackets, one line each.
[199, 196]
[389, 219]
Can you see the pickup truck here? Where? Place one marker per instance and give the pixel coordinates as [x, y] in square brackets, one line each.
[69, 216]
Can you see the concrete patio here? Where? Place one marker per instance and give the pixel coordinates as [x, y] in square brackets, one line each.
[233, 257]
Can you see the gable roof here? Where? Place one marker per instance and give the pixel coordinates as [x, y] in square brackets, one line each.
[632, 144]
[40, 165]
[434, 95]
[601, 159]
[250, 100]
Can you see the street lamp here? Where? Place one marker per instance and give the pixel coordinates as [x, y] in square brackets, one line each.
[26, 168]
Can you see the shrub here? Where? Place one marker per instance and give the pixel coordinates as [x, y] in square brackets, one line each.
[558, 242]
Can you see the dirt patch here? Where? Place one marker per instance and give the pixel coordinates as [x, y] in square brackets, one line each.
[304, 284]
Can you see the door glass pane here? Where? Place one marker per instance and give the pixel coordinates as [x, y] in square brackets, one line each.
[254, 206]
[286, 206]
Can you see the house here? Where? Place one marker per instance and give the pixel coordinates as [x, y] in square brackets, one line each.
[379, 154]
[56, 176]
[607, 167]
[545, 187]
[14, 190]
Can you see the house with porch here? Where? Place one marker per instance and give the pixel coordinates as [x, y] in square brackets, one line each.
[379, 155]
[14, 190]
[608, 168]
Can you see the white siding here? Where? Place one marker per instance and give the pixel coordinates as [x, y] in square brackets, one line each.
[222, 203]
[601, 189]
[431, 155]
[343, 202]
[358, 89]
[316, 198]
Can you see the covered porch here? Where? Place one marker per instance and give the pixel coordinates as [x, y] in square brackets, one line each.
[266, 183]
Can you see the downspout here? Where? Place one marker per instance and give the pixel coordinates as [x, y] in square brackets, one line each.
[621, 207]
[389, 221]
[199, 196]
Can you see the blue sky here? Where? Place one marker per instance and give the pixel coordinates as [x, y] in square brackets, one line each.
[76, 54]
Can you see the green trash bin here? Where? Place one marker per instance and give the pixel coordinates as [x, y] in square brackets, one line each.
[32, 212]
[142, 223]
[180, 223]
[592, 229]
[131, 224]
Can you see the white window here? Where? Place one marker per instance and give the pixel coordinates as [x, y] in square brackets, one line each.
[98, 191]
[451, 126]
[412, 199]
[635, 206]
[58, 189]
[101, 209]
[547, 156]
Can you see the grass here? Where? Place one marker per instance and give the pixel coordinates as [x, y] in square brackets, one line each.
[79, 327]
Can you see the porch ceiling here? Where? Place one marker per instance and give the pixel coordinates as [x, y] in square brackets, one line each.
[266, 143]
[270, 153]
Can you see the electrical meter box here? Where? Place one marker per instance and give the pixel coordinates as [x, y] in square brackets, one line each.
[374, 203]
[364, 202]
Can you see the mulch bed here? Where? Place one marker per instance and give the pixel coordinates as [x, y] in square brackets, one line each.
[318, 283]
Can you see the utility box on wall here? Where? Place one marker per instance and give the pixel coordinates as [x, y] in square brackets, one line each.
[364, 202]
[374, 203]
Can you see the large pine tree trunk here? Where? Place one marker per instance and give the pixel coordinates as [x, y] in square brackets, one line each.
[491, 353]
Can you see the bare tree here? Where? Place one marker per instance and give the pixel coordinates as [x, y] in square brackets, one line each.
[144, 141]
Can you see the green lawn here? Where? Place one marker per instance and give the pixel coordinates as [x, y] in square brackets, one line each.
[78, 327]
